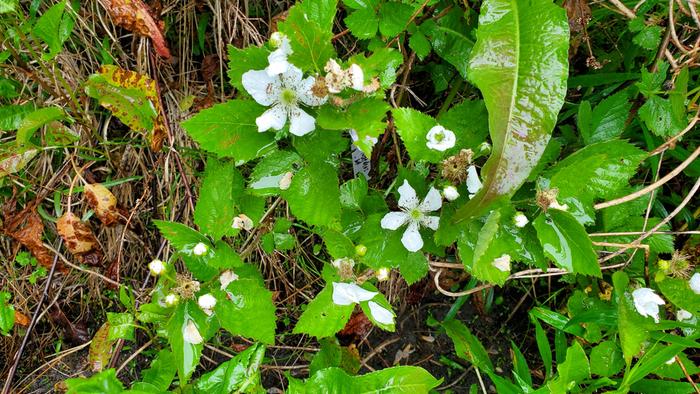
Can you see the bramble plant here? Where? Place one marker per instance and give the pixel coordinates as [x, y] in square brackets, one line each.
[495, 182]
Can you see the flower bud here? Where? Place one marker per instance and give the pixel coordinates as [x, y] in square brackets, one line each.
[157, 267]
[172, 299]
[200, 249]
[450, 193]
[520, 219]
[360, 250]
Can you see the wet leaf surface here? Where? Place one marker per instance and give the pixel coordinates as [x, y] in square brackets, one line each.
[104, 203]
[79, 239]
[136, 16]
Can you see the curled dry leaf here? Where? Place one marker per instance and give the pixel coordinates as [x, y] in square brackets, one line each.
[136, 16]
[75, 333]
[79, 239]
[356, 328]
[100, 349]
[21, 319]
[113, 273]
[26, 228]
[104, 203]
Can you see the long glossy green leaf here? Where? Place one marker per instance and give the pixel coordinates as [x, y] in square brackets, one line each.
[519, 63]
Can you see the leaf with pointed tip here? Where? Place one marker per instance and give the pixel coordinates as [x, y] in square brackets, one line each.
[519, 63]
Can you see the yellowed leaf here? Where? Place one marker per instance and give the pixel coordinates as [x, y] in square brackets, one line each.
[103, 202]
[79, 239]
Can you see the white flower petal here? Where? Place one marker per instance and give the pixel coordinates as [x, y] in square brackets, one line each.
[683, 315]
[502, 263]
[200, 249]
[432, 201]
[473, 182]
[431, 222]
[357, 77]
[156, 267]
[305, 93]
[278, 63]
[191, 334]
[264, 89]
[411, 238]
[301, 123]
[286, 180]
[383, 274]
[226, 278]
[380, 314]
[292, 77]
[407, 196]
[206, 301]
[273, 118]
[647, 302]
[451, 193]
[350, 293]
[243, 222]
[520, 220]
[394, 220]
[694, 283]
[441, 139]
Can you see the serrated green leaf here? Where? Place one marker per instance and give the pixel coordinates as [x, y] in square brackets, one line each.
[383, 63]
[419, 43]
[608, 118]
[519, 63]
[492, 243]
[413, 127]
[403, 379]
[229, 130]
[267, 174]
[631, 325]
[8, 6]
[323, 318]
[309, 28]
[606, 359]
[186, 354]
[394, 17]
[451, 39]
[572, 371]
[7, 313]
[160, 375]
[353, 192]
[314, 195]
[241, 61]
[338, 245]
[366, 117]
[469, 121]
[414, 267]
[659, 116]
[184, 239]
[363, 23]
[332, 354]
[215, 207]
[648, 38]
[240, 374]
[566, 242]
[246, 309]
[678, 291]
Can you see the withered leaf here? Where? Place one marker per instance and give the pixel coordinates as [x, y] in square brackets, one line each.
[100, 349]
[26, 228]
[21, 319]
[136, 16]
[104, 203]
[113, 273]
[79, 239]
[75, 333]
[356, 328]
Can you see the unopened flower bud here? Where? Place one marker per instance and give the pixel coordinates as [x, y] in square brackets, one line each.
[383, 274]
[360, 250]
[450, 193]
[157, 267]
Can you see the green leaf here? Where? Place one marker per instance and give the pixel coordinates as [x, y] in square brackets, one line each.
[363, 23]
[353, 192]
[160, 375]
[492, 243]
[394, 17]
[186, 354]
[606, 359]
[7, 313]
[314, 195]
[228, 129]
[217, 197]
[648, 38]
[339, 246]
[382, 63]
[572, 371]
[403, 379]
[414, 267]
[240, 374]
[413, 127]
[35, 120]
[334, 355]
[246, 309]
[419, 43]
[597, 171]
[132, 97]
[241, 61]
[323, 318]
[608, 118]
[519, 63]
[11, 115]
[366, 117]
[309, 28]
[184, 239]
[678, 291]
[520, 367]
[653, 386]
[566, 242]
[267, 174]
[631, 325]
[659, 116]
[8, 6]
[321, 147]
[451, 38]
[105, 382]
[54, 27]
[470, 133]
[467, 346]
[121, 326]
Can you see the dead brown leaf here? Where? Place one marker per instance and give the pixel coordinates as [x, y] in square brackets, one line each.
[75, 333]
[79, 239]
[356, 328]
[21, 319]
[104, 203]
[113, 273]
[579, 14]
[26, 228]
[136, 16]
[100, 349]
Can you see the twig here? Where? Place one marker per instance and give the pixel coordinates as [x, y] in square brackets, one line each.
[44, 295]
[481, 381]
[687, 376]
[653, 186]
[623, 9]
[133, 356]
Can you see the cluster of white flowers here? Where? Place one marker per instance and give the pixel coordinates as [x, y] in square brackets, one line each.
[414, 213]
[350, 293]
